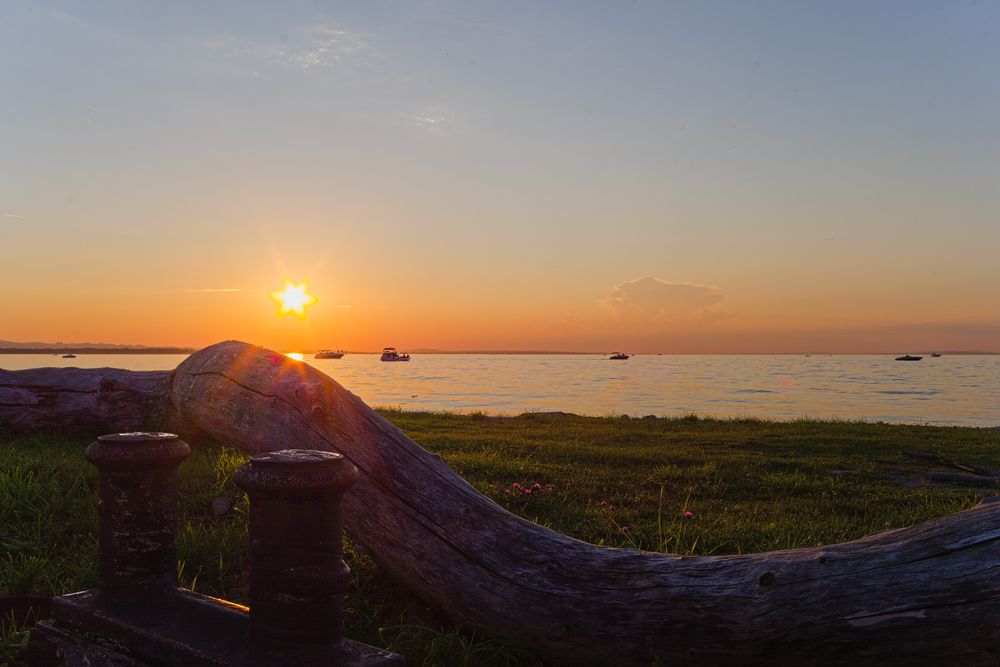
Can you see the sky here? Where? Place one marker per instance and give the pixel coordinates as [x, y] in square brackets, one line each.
[674, 177]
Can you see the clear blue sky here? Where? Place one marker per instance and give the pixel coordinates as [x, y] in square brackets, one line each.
[728, 176]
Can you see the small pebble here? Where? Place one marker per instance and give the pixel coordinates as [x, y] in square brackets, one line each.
[222, 505]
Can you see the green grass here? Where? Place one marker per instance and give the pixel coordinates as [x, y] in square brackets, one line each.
[749, 484]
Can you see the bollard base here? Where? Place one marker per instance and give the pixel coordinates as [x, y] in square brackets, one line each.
[177, 628]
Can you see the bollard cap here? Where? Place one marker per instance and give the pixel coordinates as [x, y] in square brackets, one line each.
[297, 472]
[139, 449]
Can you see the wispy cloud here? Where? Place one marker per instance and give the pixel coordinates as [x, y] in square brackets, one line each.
[208, 290]
[310, 47]
[13, 215]
[964, 326]
[434, 119]
[228, 45]
[65, 17]
[318, 45]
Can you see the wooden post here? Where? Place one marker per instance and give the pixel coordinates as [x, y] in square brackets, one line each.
[298, 576]
[138, 510]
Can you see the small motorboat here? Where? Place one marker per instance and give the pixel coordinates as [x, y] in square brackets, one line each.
[390, 354]
[909, 357]
[329, 354]
[69, 356]
[935, 354]
[618, 355]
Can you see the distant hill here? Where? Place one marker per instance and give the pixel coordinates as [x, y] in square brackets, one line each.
[37, 347]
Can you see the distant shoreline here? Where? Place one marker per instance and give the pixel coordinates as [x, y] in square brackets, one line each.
[191, 350]
[96, 350]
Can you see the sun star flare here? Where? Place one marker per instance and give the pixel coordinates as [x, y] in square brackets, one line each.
[293, 299]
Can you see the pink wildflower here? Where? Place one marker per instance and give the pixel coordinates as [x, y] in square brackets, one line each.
[528, 491]
[506, 492]
[688, 515]
[515, 485]
[537, 486]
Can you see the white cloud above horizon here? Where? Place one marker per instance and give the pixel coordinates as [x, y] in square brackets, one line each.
[654, 300]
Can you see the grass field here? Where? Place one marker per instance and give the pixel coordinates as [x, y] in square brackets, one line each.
[688, 485]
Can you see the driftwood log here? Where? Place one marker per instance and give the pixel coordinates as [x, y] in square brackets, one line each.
[929, 594]
[951, 463]
[974, 475]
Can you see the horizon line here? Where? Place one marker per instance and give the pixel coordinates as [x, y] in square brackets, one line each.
[110, 348]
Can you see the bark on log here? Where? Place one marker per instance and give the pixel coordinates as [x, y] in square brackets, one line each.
[929, 594]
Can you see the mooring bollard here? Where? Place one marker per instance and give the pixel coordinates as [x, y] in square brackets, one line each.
[298, 576]
[137, 616]
[137, 510]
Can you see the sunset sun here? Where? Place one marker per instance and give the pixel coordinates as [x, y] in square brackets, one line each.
[293, 299]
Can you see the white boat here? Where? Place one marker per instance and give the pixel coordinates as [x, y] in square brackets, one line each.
[329, 354]
[390, 354]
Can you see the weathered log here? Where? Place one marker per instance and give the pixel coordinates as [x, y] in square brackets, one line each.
[951, 463]
[929, 594]
[108, 399]
[963, 479]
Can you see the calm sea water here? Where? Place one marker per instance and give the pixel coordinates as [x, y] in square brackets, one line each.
[957, 390]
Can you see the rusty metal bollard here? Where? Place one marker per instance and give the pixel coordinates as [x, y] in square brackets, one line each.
[298, 576]
[138, 511]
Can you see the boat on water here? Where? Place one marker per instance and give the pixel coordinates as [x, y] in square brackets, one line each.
[69, 356]
[935, 354]
[618, 355]
[390, 354]
[909, 357]
[329, 354]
